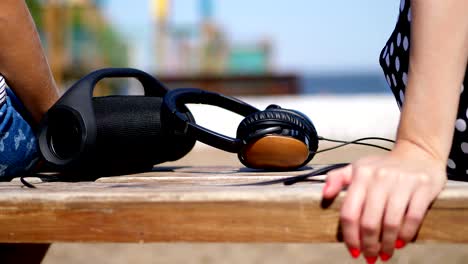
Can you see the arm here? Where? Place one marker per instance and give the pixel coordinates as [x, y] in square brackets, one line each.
[22, 61]
[388, 196]
[438, 59]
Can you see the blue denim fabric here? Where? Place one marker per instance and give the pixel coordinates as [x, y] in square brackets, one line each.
[18, 144]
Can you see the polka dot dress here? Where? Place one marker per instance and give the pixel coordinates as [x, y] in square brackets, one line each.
[394, 61]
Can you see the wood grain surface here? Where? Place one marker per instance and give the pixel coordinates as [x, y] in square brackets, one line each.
[195, 204]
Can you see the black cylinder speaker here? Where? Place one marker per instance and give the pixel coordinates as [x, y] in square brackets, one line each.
[112, 134]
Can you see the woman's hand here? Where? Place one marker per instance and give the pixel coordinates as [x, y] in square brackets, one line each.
[387, 198]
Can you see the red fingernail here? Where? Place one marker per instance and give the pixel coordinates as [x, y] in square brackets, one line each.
[371, 260]
[354, 252]
[384, 256]
[400, 244]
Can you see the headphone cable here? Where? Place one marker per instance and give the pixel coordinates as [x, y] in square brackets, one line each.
[355, 142]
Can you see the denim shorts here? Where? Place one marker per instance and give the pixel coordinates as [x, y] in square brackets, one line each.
[18, 145]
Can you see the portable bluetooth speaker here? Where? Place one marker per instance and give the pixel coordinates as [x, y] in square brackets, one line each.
[112, 134]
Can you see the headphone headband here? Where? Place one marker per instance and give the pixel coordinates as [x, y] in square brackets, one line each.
[175, 101]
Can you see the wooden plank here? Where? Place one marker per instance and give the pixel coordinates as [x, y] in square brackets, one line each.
[180, 206]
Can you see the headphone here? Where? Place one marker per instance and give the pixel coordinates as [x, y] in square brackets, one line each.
[272, 139]
[128, 134]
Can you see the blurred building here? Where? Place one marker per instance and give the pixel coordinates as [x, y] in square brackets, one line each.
[204, 48]
[202, 55]
[78, 39]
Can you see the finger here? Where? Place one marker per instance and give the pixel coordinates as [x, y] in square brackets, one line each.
[396, 207]
[351, 208]
[373, 212]
[417, 209]
[336, 180]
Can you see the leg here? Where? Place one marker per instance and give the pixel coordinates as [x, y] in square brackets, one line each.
[23, 253]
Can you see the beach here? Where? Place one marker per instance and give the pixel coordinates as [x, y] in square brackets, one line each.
[339, 117]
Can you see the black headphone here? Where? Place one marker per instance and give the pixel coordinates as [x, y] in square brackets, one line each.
[128, 134]
[272, 139]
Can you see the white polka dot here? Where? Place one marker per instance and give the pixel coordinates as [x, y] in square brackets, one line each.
[391, 49]
[451, 164]
[462, 88]
[394, 80]
[409, 15]
[388, 81]
[405, 79]
[464, 147]
[402, 96]
[466, 113]
[460, 124]
[398, 40]
[406, 43]
[387, 60]
[384, 53]
[397, 64]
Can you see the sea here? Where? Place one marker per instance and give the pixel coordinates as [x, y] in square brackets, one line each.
[344, 83]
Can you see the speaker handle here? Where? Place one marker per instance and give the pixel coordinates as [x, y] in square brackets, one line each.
[84, 87]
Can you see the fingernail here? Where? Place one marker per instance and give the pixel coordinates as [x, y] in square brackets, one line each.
[354, 252]
[400, 244]
[384, 256]
[371, 260]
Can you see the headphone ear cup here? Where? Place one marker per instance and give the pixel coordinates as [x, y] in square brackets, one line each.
[292, 144]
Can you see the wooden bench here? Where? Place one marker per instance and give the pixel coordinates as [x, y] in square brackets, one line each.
[194, 204]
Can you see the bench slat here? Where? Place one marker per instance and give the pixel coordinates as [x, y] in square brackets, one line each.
[195, 205]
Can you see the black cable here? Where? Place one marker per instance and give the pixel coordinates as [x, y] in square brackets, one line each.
[355, 142]
[31, 173]
[365, 138]
[26, 183]
[321, 171]
[298, 178]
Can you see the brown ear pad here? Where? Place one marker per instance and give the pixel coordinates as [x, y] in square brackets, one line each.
[292, 146]
[275, 152]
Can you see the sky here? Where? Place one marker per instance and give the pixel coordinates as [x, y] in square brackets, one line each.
[309, 36]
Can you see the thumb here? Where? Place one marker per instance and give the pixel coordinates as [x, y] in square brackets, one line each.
[336, 180]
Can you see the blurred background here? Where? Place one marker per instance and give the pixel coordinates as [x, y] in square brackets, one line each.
[318, 57]
[241, 47]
